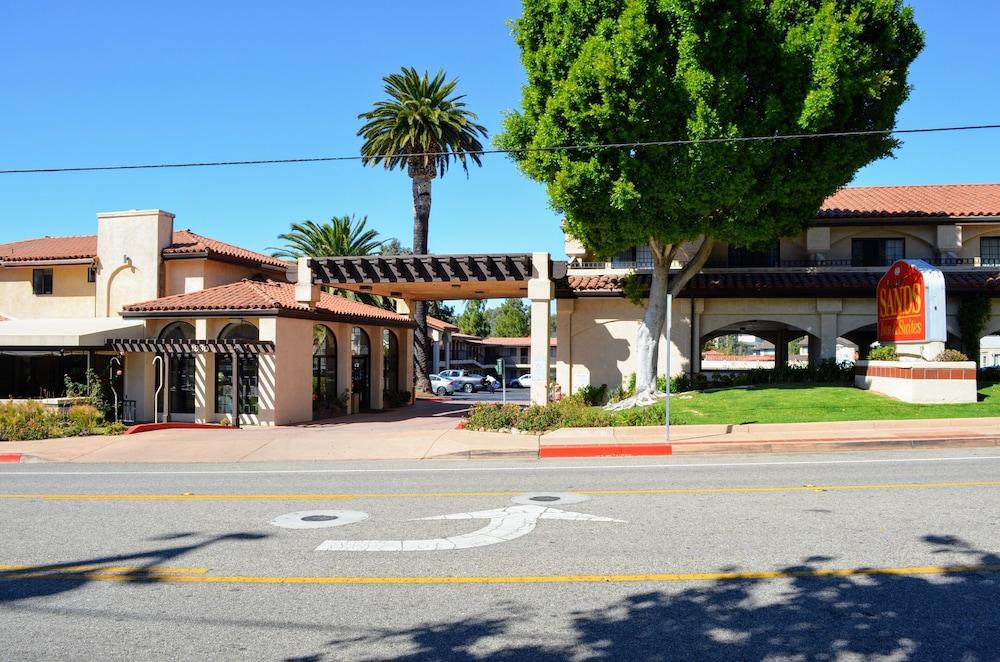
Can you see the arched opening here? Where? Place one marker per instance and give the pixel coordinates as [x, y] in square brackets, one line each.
[361, 350]
[326, 402]
[390, 363]
[179, 395]
[246, 373]
[752, 344]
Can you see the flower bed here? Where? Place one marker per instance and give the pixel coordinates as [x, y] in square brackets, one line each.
[28, 420]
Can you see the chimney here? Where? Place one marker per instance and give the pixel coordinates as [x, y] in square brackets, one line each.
[306, 292]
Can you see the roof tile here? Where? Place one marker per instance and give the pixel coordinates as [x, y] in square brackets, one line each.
[961, 200]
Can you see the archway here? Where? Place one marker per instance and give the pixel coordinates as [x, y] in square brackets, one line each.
[390, 363]
[246, 373]
[361, 350]
[326, 401]
[750, 344]
[179, 395]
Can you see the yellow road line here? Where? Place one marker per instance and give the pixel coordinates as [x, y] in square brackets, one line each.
[516, 579]
[502, 493]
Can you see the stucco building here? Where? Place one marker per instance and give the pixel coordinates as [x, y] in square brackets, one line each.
[187, 328]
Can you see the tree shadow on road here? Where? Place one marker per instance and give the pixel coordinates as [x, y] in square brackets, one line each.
[140, 567]
[949, 616]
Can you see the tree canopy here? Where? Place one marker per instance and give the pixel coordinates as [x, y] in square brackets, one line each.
[648, 70]
[341, 235]
[473, 319]
[512, 319]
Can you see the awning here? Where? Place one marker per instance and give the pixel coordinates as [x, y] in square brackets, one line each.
[67, 331]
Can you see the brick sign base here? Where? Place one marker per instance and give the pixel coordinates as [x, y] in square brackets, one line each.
[920, 382]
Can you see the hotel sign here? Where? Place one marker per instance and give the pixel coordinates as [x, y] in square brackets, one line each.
[911, 304]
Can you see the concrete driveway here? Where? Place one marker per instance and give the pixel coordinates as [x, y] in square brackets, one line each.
[426, 430]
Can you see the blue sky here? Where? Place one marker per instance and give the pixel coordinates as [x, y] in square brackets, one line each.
[134, 82]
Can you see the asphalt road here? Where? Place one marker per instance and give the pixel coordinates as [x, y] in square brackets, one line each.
[826, 557]
[518, 395]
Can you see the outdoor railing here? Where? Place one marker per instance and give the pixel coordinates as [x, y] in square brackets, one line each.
[789, 264]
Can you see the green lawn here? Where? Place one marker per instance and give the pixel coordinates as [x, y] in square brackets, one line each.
[807, 403]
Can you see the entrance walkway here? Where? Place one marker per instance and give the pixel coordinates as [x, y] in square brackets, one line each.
[423, 431]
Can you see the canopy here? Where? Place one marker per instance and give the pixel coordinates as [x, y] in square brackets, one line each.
[68, 331]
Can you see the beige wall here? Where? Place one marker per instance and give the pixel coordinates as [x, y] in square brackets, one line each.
[128, 252]
[72, 295]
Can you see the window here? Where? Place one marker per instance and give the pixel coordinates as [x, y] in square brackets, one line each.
[180, 395]
[744, 258]
[246, 376]
[41, 281]
[91, 275]
[876, 252]
[989, 251]
[639, 257]
[325, 397]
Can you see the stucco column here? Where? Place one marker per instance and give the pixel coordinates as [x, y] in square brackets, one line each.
[540, 292]
[435, 356]
[376, 366]
[447, 350]
[267, 373]
[781, 348]
[564, 344]
[407, 370]
[139, 384]
[342, 332]
[698, 307]
[828, 310]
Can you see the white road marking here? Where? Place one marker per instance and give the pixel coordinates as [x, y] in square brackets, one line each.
[552, 467]
[505, 524]
[319, 519]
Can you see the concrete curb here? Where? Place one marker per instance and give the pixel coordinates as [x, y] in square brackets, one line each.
[11, 458]
[152, 427]
[605, 450]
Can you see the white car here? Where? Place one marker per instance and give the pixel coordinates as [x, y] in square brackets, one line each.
[442, 385]
[524, 381]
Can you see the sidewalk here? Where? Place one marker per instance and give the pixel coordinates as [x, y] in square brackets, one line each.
[428, 432]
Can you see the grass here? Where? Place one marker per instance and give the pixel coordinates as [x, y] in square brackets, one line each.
[812, 403]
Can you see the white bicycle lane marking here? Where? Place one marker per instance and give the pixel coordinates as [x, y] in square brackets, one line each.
[505, 524]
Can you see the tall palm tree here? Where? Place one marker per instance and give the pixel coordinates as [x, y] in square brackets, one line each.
[341, 235]
[423, 126]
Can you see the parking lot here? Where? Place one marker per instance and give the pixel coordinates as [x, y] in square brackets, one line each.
[518, 395]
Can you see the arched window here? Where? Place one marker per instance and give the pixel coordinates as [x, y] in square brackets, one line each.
[180, 381]
[390, 367]
[246, 372]
[325, 400]
[361, 350]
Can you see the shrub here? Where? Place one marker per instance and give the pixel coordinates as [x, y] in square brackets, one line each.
[593, 395]
[493, 416]
[84, 417]
[624, 391]
[396, 398]
[882, 353]
[27, 421]
[951, 355]
[539, 418]
[115, 428]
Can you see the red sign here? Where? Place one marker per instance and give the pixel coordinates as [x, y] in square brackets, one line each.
[902, 309]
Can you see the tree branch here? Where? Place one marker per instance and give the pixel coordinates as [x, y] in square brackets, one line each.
[693, 266]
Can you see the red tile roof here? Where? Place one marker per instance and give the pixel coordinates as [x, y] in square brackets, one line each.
[186, 242]
[50, 248]
[440, 325]
[263, 295]
[961, 200]
[513, 342]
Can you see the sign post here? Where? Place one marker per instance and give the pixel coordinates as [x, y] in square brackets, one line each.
[503, 380]
[666, 405]
[910, 300]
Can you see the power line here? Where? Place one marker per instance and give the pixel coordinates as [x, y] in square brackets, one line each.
[559, 148]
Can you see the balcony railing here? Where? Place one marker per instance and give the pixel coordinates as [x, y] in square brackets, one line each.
[791, 264]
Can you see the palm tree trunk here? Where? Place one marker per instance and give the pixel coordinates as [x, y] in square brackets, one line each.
[421, 340]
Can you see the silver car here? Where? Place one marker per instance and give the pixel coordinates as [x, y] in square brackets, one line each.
[442, 385]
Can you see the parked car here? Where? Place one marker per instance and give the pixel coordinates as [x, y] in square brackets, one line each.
[524, 381]
[470, 382]
[442, 385]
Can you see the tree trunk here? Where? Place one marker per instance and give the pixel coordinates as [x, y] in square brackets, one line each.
[650, 330]
[421, 219]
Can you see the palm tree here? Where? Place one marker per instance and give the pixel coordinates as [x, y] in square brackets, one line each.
[341, 235]
[423, 126]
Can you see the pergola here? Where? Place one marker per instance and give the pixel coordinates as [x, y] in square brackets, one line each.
[410, 278]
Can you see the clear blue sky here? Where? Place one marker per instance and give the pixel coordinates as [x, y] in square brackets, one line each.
[135, 82]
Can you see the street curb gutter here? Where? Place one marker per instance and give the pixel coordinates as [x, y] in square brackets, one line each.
[605, 450]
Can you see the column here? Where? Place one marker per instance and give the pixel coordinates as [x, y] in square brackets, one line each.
[828, 310]
[203, 381]
[407, 337]
[540, 292]
[376, 367]
[564, 344]
[781, 348]
[447, 350]
[344, 355]
[698, 307]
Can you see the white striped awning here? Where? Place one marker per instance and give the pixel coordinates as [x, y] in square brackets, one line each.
[235, 346]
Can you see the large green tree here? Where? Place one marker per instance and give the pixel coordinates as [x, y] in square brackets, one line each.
[422, 127]
[625, 71]
[473, 320]
[341, 235]
[512, 319]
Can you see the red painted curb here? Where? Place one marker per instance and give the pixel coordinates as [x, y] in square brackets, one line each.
[12, 458]
[149, 427]
[605, 450]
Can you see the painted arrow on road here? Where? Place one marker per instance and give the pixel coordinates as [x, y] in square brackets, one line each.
[505, 524]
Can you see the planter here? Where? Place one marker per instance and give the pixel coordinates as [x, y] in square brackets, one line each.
[919, 382]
